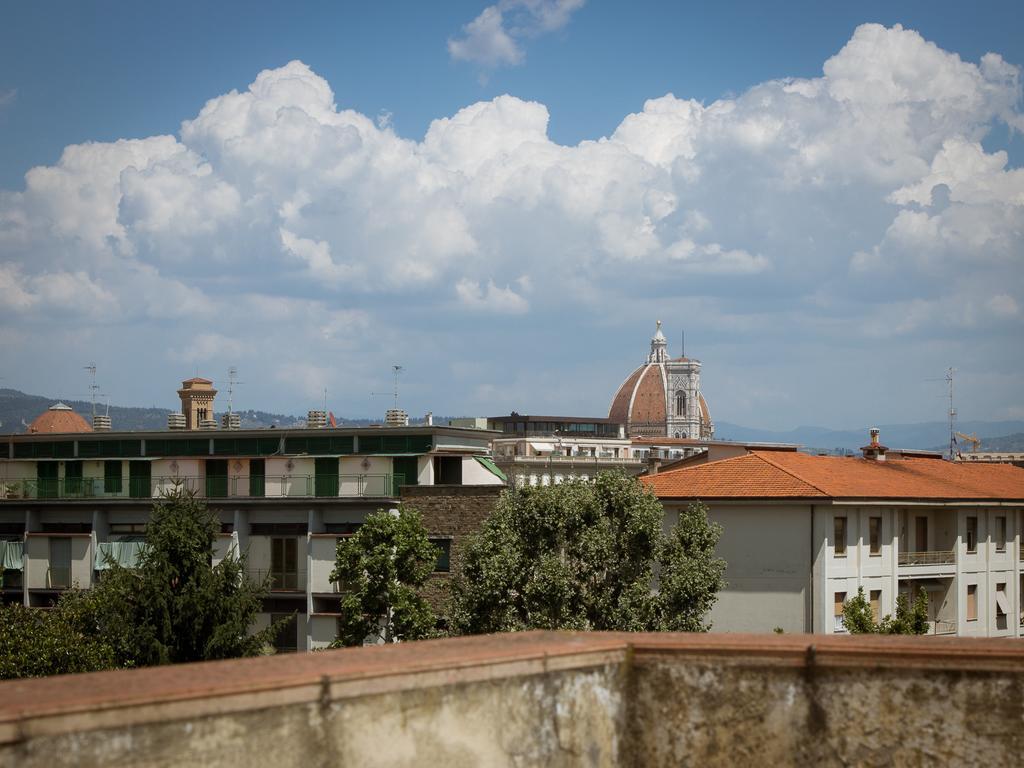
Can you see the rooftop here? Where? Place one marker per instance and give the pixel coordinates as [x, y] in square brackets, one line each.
[778, 474]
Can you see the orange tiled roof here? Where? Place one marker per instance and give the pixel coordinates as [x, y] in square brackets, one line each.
[58, 422]
[798, 475]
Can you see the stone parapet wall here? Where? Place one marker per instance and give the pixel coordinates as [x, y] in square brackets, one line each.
[534, 698]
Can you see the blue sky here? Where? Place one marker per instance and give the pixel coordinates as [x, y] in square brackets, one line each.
[809, 237]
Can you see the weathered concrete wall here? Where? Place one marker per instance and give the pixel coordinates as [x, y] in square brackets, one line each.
[542, 699]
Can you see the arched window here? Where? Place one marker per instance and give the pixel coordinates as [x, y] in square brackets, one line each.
[680, 403]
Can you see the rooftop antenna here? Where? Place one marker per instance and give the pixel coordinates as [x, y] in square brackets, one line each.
[397, 369]
[93, 388]
[952, 414]
[232, 381]
[682, 351]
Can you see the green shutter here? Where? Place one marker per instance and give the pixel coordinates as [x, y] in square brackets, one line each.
[406, 466]
[326, 479]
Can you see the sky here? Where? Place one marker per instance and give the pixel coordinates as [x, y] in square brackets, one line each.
[827, 198]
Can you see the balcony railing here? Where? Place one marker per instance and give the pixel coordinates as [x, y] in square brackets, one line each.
[280, 581]
[58, 578]
[574, 460]
[941, 557]
[941, 628]
[210, 487]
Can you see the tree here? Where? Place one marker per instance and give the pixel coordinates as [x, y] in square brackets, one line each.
[587, 555]
[35, 643]
[176, 606]
[858, 617]
[381, 570]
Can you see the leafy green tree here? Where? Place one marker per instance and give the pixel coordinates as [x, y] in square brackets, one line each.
[176, 606]
[858, 618]
[587, 555]
[36, 643]
[381, 570]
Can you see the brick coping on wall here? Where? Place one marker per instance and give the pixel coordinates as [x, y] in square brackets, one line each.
[68, 703]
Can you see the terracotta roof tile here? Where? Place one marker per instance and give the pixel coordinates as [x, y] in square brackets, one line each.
[649, 402]
[58, 422]
[798, 475]
[619, 412]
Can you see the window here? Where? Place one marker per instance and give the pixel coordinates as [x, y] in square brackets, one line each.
[972, 534]
[1000, 534]
[287, 639]
[680, 403]
[1002, 606]
[875, 535]
[448, 470]
[876, 604]
[839, 537]
[444, 556]
[972, 602]
[112, 477]
[257, 477]
[921, 533]
[840, 599]
[284, 563]
[60, 563]
[73, 485]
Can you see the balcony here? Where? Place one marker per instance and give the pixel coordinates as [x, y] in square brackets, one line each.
[940, 557]
[941, 628]
[573, 461]
[280, 581]
[269, 486]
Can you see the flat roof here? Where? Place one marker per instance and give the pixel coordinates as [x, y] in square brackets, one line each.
[568, 419]
[259, 432]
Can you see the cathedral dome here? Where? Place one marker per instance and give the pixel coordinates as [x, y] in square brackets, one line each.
[662, 397]
[58, 419]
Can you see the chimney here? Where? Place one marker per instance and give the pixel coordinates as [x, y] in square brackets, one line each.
[429, 421]
[231, 421]
[100, 423]
[653, 461]
[874, 451]
[176, 421]
[396, 417]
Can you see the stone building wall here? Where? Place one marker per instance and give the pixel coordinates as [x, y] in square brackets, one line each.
[455, 511]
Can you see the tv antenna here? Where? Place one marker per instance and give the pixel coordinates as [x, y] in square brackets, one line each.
[93, 387]
[232, 381]
[397, 369]
[952, 414]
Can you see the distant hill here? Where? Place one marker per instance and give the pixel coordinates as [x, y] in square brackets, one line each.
[18, 409]
[924, 436]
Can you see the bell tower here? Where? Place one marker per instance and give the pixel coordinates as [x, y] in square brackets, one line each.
[197, 401]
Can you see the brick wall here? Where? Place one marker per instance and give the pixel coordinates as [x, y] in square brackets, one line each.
[455, 511]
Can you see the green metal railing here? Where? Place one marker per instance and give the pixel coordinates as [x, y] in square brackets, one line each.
[211, 487]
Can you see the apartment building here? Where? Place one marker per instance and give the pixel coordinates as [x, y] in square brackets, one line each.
[283, 497]
[802, 533]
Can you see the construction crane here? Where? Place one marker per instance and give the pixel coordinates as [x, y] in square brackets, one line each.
[973, 439]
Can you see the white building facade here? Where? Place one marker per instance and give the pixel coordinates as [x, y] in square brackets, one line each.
[801, 535]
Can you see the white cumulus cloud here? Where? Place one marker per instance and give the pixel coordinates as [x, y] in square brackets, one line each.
[313, 233]
[495, 37]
